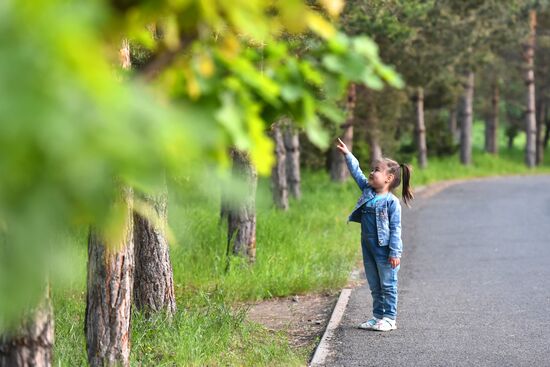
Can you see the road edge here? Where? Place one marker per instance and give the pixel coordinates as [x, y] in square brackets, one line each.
[322, 350]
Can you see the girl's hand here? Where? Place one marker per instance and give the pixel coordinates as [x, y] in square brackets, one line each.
[342, 147]
[394, 262]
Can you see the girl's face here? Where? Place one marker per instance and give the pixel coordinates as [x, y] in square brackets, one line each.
[379, 178]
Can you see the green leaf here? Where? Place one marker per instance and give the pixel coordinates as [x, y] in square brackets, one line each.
[332, 112]
[231, 118]
[366, 47]
[291, 93]
[372, 80]
[316, 134]
[333, 63]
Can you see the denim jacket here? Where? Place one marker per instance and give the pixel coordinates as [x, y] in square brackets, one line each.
[388, 210]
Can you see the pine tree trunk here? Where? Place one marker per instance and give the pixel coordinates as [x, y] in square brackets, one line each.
[292, 146]
[466, 126]
[421, 129]
[279, 187]
[530, 119]
[547, 133]
[452, 124]
[540, 132]
[109, 293]
[31, 343]
[491, 145]
[375, 148]
[153, 278]
[154, 285]
[373, 135]
[338, 168]
[241, 228]
[110, 281]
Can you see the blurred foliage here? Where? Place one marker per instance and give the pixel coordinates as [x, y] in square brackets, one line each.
[208, 75]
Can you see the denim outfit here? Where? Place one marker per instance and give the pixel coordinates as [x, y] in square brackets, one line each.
[380, 219]
[382, 278]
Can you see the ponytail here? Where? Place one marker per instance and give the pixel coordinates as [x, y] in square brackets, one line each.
[407, 192]
[398, 170]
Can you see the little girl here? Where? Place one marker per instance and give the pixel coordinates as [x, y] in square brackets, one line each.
[379, 212]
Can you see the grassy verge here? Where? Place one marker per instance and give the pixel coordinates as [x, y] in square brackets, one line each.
[507, 162]
[310, 248]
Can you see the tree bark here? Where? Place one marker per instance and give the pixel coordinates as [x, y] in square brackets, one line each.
[421, 129]
[530, 119]
[153, 277]
[491, 136]
[241, 229]
[338, 169]
[279, 186]
[373, 135]
[292, 146]
[466, 126]
[453, 125]
[31, 343]
[109, 292]
[540, 131]
[547, 133]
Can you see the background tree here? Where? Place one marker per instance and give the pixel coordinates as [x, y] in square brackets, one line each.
[530, 118]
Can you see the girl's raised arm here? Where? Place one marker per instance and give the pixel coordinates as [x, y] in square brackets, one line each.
[353, 165]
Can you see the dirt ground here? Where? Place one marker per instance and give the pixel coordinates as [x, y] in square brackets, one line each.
[303, 318]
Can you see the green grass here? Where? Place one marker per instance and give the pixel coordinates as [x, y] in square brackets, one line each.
[507, 162]
[295, 249]
[310, 248]
[213, 334]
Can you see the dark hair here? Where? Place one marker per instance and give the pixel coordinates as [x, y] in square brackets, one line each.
[396, 170]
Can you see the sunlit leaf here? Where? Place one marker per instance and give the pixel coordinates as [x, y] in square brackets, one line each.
[171, 32]
[333, 7]
[320, 25]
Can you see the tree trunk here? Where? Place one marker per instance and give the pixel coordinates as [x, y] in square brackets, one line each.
[292, 146]
[421, 129]
[530, 119]
[241, 228]
[110, 280]
[32, 342]
[279, 187]
[540, 131]
[491, 136]
[510, 143]
[547, 133]
[466, 125]
[153, 278]
[373, 135]
[375, 149]
[453, 129]
[338, 168]
[109, 293]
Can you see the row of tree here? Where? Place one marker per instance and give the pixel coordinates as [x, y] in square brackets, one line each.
[439, 47]
[198, 79]
[225, 78]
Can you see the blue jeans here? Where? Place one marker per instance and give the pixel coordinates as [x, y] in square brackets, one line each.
[382, 278]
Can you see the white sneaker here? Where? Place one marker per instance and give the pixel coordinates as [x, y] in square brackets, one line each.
[385, 324]
[369, 324]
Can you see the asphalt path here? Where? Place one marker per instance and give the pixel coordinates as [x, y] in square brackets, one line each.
[474, 285]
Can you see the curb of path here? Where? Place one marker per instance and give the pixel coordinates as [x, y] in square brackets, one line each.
[322, 350]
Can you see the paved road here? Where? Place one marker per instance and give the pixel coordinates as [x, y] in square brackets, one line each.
[474, 284]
